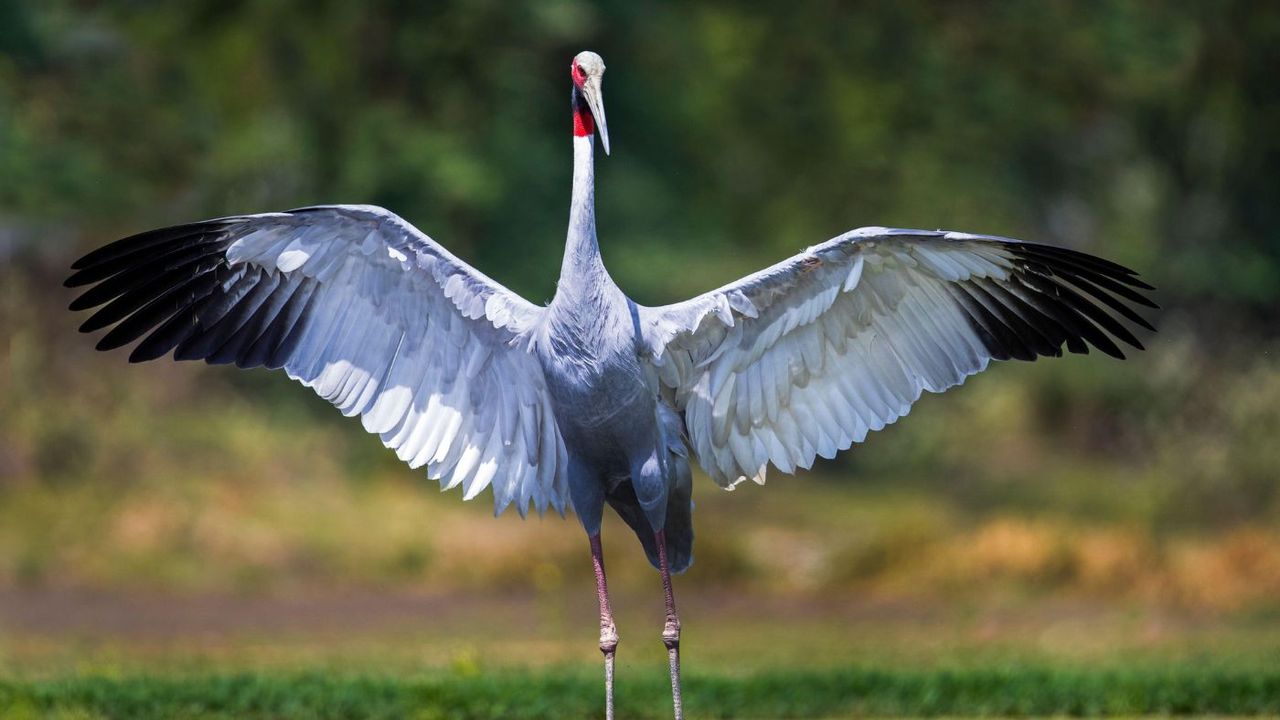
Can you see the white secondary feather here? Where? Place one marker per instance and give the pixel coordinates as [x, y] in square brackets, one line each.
[420, 345]
[819, 350]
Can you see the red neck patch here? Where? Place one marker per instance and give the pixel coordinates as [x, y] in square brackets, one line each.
[583, 123]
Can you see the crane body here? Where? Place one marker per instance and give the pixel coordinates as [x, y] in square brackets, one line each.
[594, 400]
[607, 399]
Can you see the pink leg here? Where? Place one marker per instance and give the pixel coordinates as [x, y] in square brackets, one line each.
[671, 629]
[608, 632]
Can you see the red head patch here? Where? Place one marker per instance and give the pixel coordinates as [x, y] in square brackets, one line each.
[583, 123]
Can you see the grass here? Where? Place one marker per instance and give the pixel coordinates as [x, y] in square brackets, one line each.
[753, 658]
[574, 693]
[379, 655]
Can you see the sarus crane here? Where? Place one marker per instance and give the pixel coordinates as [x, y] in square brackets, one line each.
[594, 399]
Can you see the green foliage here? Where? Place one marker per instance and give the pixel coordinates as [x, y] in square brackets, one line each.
[1141, 132]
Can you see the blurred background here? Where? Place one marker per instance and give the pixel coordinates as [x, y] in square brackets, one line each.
[1076, 510]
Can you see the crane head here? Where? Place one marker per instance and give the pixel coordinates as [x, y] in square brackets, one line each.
[587, 71]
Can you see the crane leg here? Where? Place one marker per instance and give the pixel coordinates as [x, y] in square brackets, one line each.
[670, 629]
[608, 631]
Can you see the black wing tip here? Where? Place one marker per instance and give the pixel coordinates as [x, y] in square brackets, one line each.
[75, 280]
[1146, 302]
[81, 303]
[1039, 252]
[1061, 302]
[142, 352]
[137, 357]
[156, 284]
[93, 324]
[108, 343]
[1078, 266]
[1043, 248]
[143, 240]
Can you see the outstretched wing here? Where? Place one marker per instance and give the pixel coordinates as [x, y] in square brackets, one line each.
[360, 306]
[806, 357]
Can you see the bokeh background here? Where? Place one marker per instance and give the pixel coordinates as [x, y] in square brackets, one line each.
[1080, 510]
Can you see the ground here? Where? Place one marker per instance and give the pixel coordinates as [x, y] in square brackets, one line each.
[369, 654]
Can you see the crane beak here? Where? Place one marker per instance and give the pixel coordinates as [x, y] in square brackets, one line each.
[595, 100]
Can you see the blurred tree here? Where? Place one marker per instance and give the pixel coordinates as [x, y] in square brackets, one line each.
[1143, 132]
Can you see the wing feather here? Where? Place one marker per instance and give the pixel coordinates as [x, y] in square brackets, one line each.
[805, 358]
[370, 313]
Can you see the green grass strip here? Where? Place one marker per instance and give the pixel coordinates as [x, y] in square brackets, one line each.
[575, 694]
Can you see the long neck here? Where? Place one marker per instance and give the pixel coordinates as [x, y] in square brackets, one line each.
[582, 268]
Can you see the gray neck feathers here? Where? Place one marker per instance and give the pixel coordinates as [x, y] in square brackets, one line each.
[582, 250]
[583, 278]
[587, 300]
